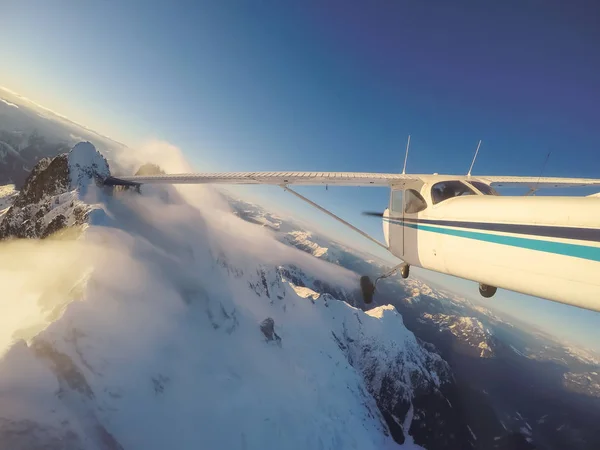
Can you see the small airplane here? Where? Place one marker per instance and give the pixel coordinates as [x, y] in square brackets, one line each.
[459, 225]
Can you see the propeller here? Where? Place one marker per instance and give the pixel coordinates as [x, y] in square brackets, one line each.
[372, 214]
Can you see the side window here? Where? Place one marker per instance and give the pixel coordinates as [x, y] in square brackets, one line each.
[414, 202]
[397, 204]
[448, 189]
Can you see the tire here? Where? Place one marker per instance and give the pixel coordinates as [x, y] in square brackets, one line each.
[405, 271]
[367, 288]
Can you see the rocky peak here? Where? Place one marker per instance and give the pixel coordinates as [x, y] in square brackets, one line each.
[52, 196]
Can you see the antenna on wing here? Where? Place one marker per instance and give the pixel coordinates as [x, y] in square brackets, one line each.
[474, 158]
[406, 156]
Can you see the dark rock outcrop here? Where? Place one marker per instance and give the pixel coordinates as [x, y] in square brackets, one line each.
[267, 327]
[25, 218]
[48, 178]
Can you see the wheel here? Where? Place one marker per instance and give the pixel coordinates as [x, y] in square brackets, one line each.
[486, 290]
[404, 271]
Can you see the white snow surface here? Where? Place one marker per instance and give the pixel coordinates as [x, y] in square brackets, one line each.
[85, 162]
[146, 329]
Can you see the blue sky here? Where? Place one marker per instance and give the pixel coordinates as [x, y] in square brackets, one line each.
[278, 85]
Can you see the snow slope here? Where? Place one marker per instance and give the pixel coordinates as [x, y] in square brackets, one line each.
[146, 334]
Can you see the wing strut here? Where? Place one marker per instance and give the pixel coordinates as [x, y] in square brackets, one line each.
[330, 214]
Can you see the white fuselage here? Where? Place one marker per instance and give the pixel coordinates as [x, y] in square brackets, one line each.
[548, 247]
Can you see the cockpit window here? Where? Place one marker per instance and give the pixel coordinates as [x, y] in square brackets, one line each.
[448, 189]
[484, 188]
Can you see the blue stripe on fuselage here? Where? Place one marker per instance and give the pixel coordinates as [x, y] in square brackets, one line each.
[559, 248]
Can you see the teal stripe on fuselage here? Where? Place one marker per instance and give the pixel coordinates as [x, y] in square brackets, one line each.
[559, 248]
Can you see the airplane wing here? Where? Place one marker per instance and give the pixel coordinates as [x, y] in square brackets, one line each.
[538, 182]
[339, 178]
[275, 178]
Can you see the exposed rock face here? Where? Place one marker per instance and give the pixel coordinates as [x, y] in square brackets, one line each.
[268, 329]
[51, 198]
[48, 178]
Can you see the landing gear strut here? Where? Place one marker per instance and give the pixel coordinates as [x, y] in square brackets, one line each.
[368, 287]
[486, 290]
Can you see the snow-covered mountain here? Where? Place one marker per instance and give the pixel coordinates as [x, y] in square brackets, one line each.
[587, 383]
[469, 330]
[164, 321]
[474, 329]
[52, 196]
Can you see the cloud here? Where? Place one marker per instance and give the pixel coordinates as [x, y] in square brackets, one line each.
[35, 284]
[166, 155]
[76, 138]
[145, 247]
[244, 243]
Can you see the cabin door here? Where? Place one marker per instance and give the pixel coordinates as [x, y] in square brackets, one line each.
[396, 220]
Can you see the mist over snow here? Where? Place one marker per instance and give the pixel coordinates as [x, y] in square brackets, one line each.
[168, 322]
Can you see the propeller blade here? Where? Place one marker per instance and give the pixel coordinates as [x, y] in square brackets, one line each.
[372, 214]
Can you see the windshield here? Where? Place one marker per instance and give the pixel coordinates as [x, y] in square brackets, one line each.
[448, 189]
[484, 188]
